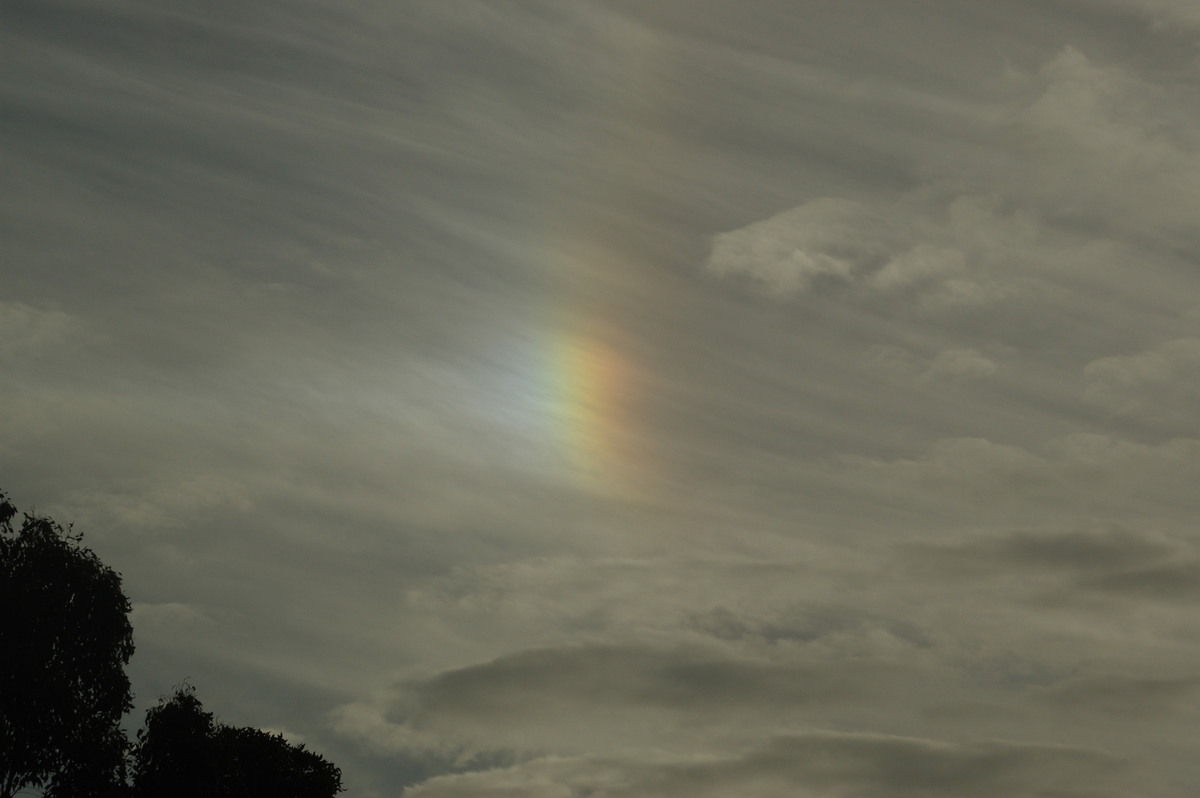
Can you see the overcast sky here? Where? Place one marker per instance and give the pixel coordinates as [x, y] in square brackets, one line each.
[627, 398]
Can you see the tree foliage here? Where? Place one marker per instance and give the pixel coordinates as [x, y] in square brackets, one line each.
[66, 638]
[175, 755]
[183, 752]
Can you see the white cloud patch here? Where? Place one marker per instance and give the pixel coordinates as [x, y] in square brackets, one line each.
[1075, 141]
[1099, 141]
[791, 251]
[920, 264]
[937, 253]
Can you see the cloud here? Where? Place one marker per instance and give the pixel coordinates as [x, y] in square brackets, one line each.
[1125, 698]
[571, 699]
[1089, 567]
[920, 264]
[155, 507]
[1101, 142]
[1085, 549]
[975, 465]
[1074, 143]
[1077, 472]
[1160, 385]
[283, 298]
[794, 250]
[900, 363]
[1179, 581]
[170, 614]
[1162, 14]
[29, 331]
[933, 252]
[965, 363]
[856, 766]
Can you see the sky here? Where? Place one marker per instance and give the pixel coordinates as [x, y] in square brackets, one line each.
[627, 398]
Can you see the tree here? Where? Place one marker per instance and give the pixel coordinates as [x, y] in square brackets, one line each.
[183, 752]
[263, 764]
[66, 638]
[97, 771]
[175, 754]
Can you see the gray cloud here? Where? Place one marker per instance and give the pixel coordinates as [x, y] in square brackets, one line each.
[950, 364]
[1126, 698]
[1173, 581]
[1081, 472]
[1082, 550]
[861, 766]
[611, 697]
[1158, 385]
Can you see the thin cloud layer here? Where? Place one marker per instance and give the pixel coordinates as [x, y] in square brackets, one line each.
[622, 398]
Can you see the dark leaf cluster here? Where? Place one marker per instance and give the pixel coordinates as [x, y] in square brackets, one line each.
[65, 639]
[183, 752]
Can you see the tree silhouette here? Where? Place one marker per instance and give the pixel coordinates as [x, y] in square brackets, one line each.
[262, 764]
[176, 753]
[66, 638]
[183, 752]
[97, 771]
